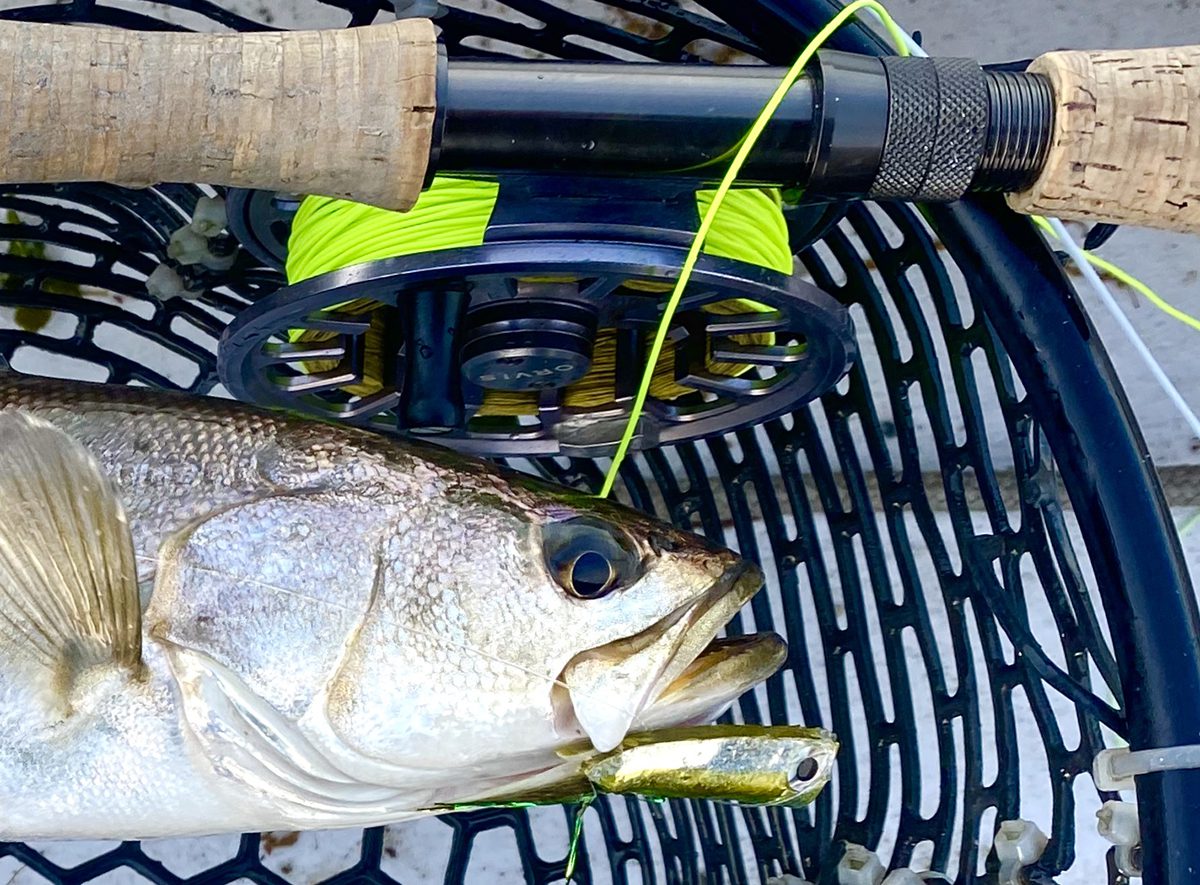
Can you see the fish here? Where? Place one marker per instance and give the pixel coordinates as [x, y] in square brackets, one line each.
[216, 618]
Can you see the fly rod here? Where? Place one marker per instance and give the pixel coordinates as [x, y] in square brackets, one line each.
[370, 114]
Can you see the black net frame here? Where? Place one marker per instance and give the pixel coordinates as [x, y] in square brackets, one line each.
[915, 549]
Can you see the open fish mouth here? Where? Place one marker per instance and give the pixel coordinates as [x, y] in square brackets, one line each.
[724, 671]
[674, 673]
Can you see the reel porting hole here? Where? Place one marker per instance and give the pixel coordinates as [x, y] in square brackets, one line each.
[262, 221]
[534, 342]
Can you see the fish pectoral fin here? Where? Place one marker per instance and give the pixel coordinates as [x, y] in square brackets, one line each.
[68, 577]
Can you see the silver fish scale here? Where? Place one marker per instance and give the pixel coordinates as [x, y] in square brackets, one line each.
[307, 590]
[484, 647]
[125, 757]
[180, 464]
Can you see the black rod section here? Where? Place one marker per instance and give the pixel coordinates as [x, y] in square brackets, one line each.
[851, 127]
[620, 119]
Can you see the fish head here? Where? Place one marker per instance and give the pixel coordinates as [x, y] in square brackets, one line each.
[625, 611]
[665, 596]
[515, 619]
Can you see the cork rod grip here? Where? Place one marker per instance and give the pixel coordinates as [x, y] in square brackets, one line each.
[344, 113]
[1126, 142]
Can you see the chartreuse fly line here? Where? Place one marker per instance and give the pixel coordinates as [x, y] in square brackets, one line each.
[902, 42]
[744, 224]
[1087, 268]
[1123, 276]
[453, 213]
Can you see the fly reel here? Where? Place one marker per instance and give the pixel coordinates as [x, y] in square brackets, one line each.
[533, 340]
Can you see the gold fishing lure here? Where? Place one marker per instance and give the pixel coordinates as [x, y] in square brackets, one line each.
[749, 764]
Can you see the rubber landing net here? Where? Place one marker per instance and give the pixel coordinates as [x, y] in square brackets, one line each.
[934, 586]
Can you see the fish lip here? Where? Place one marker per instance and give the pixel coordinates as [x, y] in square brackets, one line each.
[723, 672]
[715, 609]
[767, 650]
[703, 618]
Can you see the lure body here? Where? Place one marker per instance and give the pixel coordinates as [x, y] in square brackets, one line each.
[748, 764]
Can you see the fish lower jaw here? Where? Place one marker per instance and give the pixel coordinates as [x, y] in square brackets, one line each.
[715, 674]
[695, 678]
[723, 672]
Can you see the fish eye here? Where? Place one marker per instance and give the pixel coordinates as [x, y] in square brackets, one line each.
[589, 558]
[590, 574]
[806, 770]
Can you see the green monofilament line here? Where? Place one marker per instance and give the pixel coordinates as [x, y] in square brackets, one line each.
[583, 803]
[576, 837]
[719, 196]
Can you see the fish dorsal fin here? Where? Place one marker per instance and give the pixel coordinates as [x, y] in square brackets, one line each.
[68, 578]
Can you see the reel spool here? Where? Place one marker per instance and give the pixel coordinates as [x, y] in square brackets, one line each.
[534, 341]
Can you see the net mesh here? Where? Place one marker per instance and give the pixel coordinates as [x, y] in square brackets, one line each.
[941, 612]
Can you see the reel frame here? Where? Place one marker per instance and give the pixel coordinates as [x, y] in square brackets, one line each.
[253, 366]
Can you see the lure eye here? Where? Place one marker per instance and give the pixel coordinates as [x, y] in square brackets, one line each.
[588, 558]
[806, 770]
